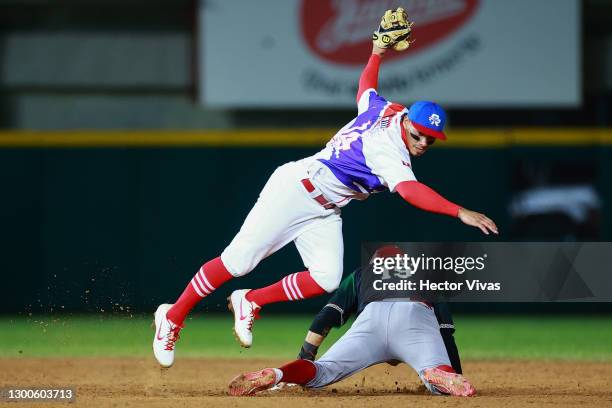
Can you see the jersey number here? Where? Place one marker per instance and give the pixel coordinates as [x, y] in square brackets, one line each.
[343, 140]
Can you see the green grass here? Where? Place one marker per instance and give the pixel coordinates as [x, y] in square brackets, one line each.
[508, 337]
[539, 337]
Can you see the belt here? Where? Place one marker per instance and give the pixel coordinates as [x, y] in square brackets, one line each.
[316, 194]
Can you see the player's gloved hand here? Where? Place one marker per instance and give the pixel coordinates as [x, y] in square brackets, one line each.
[394, 30]
[308, 352]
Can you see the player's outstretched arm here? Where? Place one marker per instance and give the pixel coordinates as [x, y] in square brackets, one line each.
[330, 316]
[477, 220]
[425, 198]
[369, 75]
[334, 314]
[319, 329]
[393, 32]
[447, 330]
[311, 345]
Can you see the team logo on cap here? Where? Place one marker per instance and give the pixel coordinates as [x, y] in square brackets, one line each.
[434, 119]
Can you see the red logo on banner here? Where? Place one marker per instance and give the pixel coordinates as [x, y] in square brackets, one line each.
[340, 31]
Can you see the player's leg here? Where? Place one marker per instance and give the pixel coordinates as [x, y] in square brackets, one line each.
[270, 224]
[169, 318]
[321, 248]
[360, 347]
[363, 345]
[296, 372]
[252, 242]
[415, 339]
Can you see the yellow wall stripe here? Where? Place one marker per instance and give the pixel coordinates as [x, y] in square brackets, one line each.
[459, 138]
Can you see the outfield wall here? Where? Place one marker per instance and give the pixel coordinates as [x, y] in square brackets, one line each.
[96, 220]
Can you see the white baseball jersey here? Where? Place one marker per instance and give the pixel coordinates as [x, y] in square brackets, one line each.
[366, 156]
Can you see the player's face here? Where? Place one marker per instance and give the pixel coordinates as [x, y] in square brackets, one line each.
[418, 143]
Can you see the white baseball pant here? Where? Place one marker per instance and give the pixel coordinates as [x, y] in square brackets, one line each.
[285, 212]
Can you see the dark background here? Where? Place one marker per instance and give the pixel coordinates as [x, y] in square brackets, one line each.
[124, 229]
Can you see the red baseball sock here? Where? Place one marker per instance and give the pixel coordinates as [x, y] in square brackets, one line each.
[298, 372]
[210, 276]
[296, 286]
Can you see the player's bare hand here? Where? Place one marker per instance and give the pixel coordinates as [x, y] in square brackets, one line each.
[477, 220]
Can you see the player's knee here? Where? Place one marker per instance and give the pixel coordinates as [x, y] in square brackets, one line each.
[234, 265]
[239, 262]
[329, 279]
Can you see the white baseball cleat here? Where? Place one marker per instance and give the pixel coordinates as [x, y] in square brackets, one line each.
[448, 383]
[245, 313]
[166, 335]
[251, 383]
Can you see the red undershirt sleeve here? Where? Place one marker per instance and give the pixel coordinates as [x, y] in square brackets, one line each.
[369, 76]
[425, 198]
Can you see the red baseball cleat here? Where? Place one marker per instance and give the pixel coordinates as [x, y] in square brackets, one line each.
[252, 383]
[448, 383]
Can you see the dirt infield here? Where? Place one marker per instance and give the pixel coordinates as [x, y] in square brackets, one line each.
[132, 382]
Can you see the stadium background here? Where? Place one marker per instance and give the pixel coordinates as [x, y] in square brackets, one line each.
[117, 185]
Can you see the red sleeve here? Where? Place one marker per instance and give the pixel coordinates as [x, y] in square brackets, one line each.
[423, 197]
[369, 76]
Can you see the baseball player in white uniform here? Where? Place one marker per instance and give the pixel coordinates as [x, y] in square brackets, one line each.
[302, 201]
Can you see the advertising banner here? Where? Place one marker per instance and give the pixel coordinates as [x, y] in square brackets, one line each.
[466, 53]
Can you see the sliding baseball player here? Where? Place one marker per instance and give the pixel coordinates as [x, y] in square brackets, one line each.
[419, 334]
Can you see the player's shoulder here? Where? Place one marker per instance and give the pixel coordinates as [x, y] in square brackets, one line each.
[391, 117]
[395, 108]
[374, 99]
[374, 95]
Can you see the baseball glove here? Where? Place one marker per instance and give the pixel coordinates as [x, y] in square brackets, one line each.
[394, 30]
